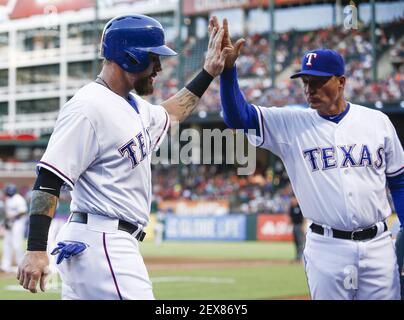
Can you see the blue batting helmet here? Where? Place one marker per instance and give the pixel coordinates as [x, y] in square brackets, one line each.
[128, 41]
[11, 189]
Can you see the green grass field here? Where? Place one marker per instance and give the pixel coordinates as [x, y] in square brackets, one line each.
[273, 278]
[228, 250]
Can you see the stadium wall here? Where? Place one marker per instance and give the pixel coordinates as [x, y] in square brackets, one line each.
[230, 227]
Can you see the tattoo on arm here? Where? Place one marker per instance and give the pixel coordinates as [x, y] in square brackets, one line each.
[187, 102]
[181, 105]
[43, 203]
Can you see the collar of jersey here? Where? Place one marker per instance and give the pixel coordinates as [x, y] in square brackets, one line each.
[337, 118]
[132, 102]
[130, 98]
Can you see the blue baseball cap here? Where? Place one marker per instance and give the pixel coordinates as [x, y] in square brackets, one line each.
[11, 189]
[321, 63]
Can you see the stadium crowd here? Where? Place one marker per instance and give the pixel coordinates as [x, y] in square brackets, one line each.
[268, 191]
[254, 71]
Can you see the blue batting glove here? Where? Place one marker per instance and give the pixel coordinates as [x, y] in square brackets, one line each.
[67, 249]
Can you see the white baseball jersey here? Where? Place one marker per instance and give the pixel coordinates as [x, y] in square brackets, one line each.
[102, 147]
[337, 170]
[15, 205]
[14, 237]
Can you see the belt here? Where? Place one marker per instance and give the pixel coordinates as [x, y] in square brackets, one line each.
[81, 217]
[357, 235]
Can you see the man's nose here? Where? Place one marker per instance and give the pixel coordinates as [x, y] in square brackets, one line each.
[310, 88]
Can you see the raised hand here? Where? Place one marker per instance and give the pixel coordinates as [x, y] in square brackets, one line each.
[232, 50]
[216, 56]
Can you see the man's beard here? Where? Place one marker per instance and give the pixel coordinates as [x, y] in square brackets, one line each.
[143, 87]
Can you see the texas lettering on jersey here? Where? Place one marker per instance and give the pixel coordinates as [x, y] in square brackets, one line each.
[325, 158]
[136, 148]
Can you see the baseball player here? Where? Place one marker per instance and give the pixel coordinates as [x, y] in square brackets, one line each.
[339, 157]
[296, 217]
[101, 149]
[16, 209]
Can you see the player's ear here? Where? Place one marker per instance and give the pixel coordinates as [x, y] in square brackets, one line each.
[342, 81]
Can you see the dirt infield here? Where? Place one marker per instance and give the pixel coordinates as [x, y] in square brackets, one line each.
[173, 263]
[7, 275]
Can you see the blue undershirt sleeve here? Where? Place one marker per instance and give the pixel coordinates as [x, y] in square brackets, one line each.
[396, 186]
[237, 112]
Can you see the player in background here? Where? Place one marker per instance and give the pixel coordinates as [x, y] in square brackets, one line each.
[2, 214]
[297, 219]
[339, 157]
[16, 209]
[101, 149]
[61, 216]
[159, 227]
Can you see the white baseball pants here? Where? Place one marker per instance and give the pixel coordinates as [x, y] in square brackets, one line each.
[111, 268]
[13, 244]
[339, 269]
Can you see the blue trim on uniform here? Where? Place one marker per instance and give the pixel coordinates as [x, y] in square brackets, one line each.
[262, 128]
[237, 112]
[104, 242]
[162, 132]
[401, 170]
[132, 102]
[396, 186]
[337, 118]
[50, 168]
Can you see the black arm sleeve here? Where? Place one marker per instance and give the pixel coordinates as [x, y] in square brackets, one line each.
[48, 182]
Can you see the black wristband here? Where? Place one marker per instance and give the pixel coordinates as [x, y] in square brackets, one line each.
[200, 83]
[38, 232]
